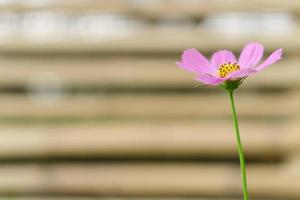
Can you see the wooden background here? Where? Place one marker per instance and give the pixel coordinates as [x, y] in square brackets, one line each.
[90, 113]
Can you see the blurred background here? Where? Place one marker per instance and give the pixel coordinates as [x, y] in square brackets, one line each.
[92, 105]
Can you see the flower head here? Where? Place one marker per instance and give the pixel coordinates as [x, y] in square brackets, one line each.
[224, 68]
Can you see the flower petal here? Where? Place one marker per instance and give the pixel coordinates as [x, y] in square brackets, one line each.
[242, 73]
[251, 55]
[222, 57]
[274, 57]
[210, 80]
[194, 61]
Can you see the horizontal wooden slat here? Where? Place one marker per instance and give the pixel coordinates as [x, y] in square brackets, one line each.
[87, 197]
[176, 139]
[125, 73]
[158, 8]
[152, 40]
[184, 179]
[147, 106]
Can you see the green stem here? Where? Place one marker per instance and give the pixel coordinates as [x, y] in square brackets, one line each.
[240, 147]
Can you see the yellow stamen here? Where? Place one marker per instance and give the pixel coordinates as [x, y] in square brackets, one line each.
[227, 68]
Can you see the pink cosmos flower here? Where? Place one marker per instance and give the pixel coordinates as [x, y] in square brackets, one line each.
[223, 65]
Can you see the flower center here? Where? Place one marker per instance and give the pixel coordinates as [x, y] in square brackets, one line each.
[227, 68]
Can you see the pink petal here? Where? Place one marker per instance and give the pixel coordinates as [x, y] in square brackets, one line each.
[251, 55]
[274, 57]
[222, 57]
[241, 73]
[194, 61]
[210, 80]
